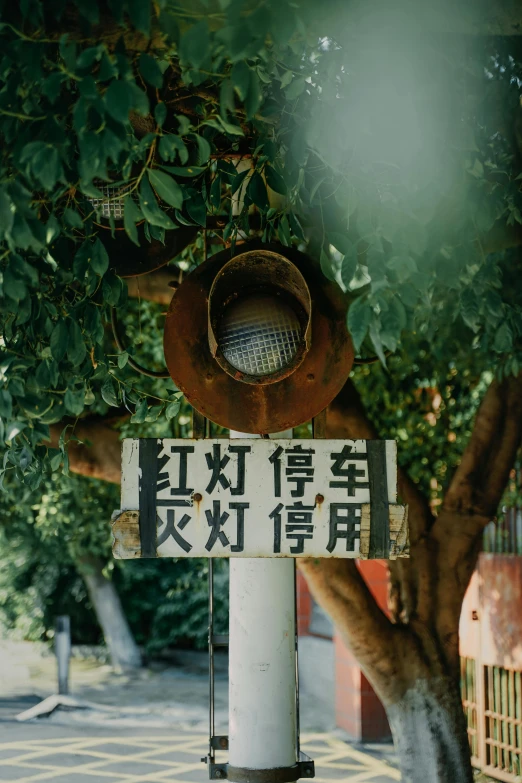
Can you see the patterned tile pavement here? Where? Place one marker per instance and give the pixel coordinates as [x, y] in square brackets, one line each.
[164, 759]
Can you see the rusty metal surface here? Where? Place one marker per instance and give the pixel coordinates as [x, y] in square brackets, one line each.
[129, 260]
[247, 407]
[500, 610]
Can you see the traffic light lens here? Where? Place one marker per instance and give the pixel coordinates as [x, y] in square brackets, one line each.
[111, 203]
[259, 335]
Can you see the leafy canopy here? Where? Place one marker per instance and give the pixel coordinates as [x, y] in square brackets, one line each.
[391, 153]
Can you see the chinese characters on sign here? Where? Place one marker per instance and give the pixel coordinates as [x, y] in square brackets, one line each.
[255, 497]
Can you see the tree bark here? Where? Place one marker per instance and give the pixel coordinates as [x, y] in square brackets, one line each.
[412, 657]
[99, 455]
[123, 650]
[430, 734]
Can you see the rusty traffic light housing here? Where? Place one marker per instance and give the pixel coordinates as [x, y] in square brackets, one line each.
[257, 339]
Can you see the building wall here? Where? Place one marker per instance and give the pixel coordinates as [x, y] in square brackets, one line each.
[329, 671]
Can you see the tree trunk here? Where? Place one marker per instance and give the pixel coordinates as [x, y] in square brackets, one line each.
[123, 649]
[429, 733]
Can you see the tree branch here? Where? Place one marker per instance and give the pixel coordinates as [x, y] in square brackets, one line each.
[478, 483]
[100, 457]
[339, 588]
[154, 287]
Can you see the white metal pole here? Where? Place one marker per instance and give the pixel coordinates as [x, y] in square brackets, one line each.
[262, 672]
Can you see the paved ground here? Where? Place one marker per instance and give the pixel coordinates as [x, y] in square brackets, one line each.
[84, 757]
[148, 728]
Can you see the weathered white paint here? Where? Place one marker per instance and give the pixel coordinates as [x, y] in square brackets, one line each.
[262, 730]
[262, 676]
[259, 493]
[430, 736]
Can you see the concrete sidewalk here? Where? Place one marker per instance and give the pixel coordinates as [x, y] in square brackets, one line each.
[151, 726]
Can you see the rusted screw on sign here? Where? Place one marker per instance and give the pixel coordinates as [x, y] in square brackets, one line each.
[197, 497]
[218, 773]
[319, 499]
[223, 742]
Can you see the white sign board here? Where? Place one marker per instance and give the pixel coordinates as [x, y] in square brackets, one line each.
[254, 497]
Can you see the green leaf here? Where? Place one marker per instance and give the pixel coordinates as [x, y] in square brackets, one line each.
[140, 413]
[256, 190]
[238, 181]
[195, 44]
[6, 212]
[341, 243]
[43, 376]
[185, 171]
[131, 216]
[74, 401]
[153, 413]
[359, 318]
[215, 192]
[56, 460]
[470, 309]
[139, 12]
[170, 146]
[377, 344]
[149, 206]
[109, 393]
[349, 267]
[160, 113]
[226, 99]
[118, 101]
[284, 231]
[393, 321]
[403, 266]
[6, 404]
[81, 260]
[240, 78]
[195, 206]
[326, 266]
[166, 187]
[150, 71]
[59, 340]
[204, 149]
[503, 342]
[296, 227]
[47, 167]
[172, 410]
[275, 181]
[114, 289]
[72, 218]
[76, 350]
[88, 57]
[254, 98]
[92, 323]
[99, 258]
[169, 26]
[123, 358]
[494, 303]
[13, 286]
[295, 88]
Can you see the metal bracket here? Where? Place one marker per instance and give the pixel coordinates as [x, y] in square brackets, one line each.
[220, 742]
[217, 771]
[306, 766]
[220, 640]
